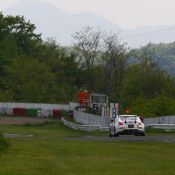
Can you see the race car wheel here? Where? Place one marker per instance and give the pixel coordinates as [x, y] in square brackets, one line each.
[116, 135]
[137, 134]
[111, 135]
[143, 134]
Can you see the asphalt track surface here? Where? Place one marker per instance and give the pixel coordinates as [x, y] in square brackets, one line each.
[131, 138]
[154, 138]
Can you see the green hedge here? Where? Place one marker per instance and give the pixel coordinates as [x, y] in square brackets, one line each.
[160, 106]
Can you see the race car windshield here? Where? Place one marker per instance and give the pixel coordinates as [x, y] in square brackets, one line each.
[129, 118]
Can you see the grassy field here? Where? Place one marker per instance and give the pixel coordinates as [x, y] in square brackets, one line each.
[50, 152]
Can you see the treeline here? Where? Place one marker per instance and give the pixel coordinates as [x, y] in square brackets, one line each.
[162, 54]
[33, 70]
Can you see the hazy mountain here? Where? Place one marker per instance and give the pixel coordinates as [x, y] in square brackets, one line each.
[55, 23]
[149, 34]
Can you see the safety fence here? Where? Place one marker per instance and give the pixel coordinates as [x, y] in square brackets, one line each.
[90, 119]
[35, 109]
[161, 126]
[160, 120]
[84, 127]
[100, 128]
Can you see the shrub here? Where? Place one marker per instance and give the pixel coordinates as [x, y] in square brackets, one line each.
[4, 144]
[159, 106]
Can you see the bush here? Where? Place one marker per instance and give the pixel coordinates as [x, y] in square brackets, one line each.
[159, 106]
[4, 144]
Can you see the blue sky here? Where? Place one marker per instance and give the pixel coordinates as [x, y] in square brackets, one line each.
[126, 13]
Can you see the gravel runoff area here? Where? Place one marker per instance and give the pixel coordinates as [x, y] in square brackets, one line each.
[23, 120]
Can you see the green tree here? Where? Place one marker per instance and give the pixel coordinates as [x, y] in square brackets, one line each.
[86, 44]
[17, 38]
[114, 63]
[29, 80]
[144, 83]
[22, 31]
[162, 54]
[62, 63]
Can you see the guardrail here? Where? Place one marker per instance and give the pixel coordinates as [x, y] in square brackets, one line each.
[98, 127]
[84, 127]
[161, 126]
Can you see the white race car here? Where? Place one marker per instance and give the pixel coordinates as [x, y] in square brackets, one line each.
[127, 125]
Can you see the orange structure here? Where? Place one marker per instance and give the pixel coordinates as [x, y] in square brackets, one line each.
[127, 111]
[83, 98]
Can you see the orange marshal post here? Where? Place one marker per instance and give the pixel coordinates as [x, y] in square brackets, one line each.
[83, 98]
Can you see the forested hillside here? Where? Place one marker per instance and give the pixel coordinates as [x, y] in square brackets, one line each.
[33, 70]
[162, 54]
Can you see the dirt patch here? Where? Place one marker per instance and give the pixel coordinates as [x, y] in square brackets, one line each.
[18, 135]
[23, 120]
